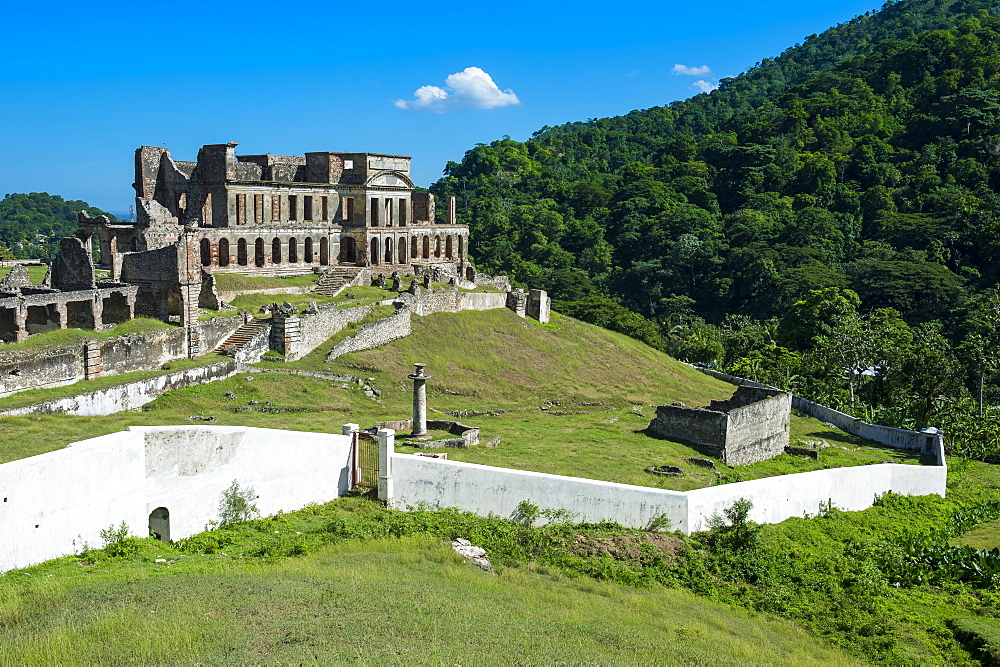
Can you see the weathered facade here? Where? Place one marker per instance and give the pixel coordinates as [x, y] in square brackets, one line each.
[281, 215]
[750, 426]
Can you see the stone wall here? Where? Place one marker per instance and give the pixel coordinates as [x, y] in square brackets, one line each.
[328, 321]
[425, 302]
[56, 367]
[927, 440]
[56, 502]
[129, 395]
[372, 335]
[255, 348]
[749, 427]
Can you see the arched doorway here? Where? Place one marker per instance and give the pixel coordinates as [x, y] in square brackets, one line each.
[388, 251]
[347, 248]
[437, 246]
[159, 524]
[276, 250]
[414, 250]
[206, 252]
[258, 252]
[427, 247]
[461, 247]
[241, 252]
[401, 257]
[448, 248]
[373, 255]
[223, 252]
[293, 250]
[308, 252]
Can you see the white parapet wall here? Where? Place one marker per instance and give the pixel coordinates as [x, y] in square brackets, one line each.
[488, 490]
[55, 503]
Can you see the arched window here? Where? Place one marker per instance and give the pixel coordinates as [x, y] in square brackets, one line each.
[276, 251]
[293, 251]
[427, 247]
[388, 251]
[461, 247]
[414, 251]
[401, 257]
[437, 246]
[373, 255]
[448, 248]
[223, 252]
[241, 252]
[206, 253]
[308, 252]
[324, 251]
[258, 252]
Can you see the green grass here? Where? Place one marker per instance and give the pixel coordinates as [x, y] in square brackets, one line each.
[58, 337]
[35, 273]
[409, 600]
[492, 360]
[234, 282]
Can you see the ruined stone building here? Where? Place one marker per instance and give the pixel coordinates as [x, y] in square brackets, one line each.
[282, 215]
[271, 215]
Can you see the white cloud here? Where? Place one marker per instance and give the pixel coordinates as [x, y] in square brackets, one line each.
[692, 71]
[705, 86]
[472, 88]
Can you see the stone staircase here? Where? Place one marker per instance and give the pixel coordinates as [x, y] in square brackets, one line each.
[242, 336]
[334, 280]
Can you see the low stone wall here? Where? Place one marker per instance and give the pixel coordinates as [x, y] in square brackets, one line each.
[255, 348]
[229, 295]
[55, 503]
[328, 321]
[425, 302]
[372, 335]
[468, 435]
[64, 365]
[751, 426]
[127, 396]
[929, 441]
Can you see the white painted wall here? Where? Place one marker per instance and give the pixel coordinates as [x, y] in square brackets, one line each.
[74, 493]
[485, 489]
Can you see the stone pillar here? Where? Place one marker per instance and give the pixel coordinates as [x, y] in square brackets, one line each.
[517, 301]
[386, 447]
[20, 321]
[539, 305]
[451, 211]
[97, 309]
[286, 335]
[63, 312]
[419, 399]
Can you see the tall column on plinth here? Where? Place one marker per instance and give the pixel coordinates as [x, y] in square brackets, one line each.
[419, 399]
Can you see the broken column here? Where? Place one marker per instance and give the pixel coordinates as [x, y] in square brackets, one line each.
[419, 399]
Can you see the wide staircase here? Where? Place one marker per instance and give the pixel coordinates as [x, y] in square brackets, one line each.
[334, 279]
[242, 336]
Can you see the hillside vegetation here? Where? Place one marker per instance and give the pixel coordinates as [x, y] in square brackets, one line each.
[31, 225]
[832, 210]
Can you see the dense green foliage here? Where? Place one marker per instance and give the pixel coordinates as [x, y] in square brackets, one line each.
[845, 188]
[31, 225]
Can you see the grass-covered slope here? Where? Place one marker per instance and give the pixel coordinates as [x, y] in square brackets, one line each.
[565, 398]
[382, 601]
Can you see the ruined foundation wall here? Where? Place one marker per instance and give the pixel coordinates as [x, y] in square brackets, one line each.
[328, 321]
[705, 428]
[758, 431]
[375, 334]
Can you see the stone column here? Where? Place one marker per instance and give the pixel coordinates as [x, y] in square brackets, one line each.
[451, 210]
[386, 448]
[419, 399]
[62, 310]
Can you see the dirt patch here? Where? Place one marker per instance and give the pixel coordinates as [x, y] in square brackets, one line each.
[632, 547]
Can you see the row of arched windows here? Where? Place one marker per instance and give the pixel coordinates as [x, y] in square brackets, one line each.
[291, 252]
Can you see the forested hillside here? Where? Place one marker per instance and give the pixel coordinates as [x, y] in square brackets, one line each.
[31, 225]
[827, 221]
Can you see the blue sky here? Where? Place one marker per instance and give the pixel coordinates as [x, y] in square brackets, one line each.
[83, 84]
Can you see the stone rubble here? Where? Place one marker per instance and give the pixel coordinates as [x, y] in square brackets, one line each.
[473, 554]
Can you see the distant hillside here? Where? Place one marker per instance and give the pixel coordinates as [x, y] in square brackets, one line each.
[869, 147]
[32, 224]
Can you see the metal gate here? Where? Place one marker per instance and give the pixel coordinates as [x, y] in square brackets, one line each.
[365, 469]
